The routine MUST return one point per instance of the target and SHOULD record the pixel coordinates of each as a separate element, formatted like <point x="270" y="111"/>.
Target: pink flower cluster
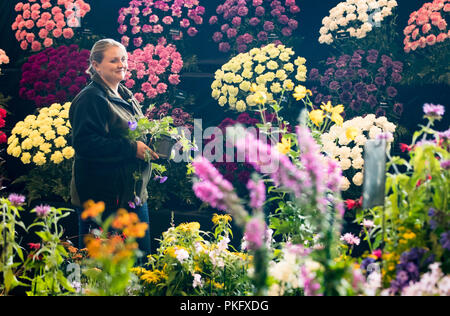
<point x="3" y="138"/>
<point x="427" y="26"/>
<point x="249" y="23"/>
<point x="164" y="18"/>
<point x="37" y="25"/>
<point x="152" y="69"/>
<point x="54" y="75"/>
<point x="4" y="59"/>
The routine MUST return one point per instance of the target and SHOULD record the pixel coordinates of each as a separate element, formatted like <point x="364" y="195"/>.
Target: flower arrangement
<point x="201" y="265"/>
<point x="363" y="82"/>
<point x="37" y="25"/>
<point x="43" y="138"/>
<point x="427" y="26"/>
<point x="153" y="69"/>
<point x="426" y="42"/>
<point x="169" y="20"/>
<point x="271" y="68"/>
<point x="356" y="18"/>
<point x="345" y="143"/>
<point x="54" y="75"/>
<point x="4" y="59"/>
<point x="42" y="141"/>
<point x="248" y="24"/>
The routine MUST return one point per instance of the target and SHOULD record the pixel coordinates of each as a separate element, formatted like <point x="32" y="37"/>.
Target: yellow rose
<point x="59" y="121"/>
<point x="216" y="84"/>
<point x="26" y="158"/>
<point x="238" y="79"/>
<point x="56" y="106"/>
<point x="66" y="105"/>
<point x="60" y="142"/>
<point x="289" y="67"/>
<point x="64" y="114"/>
<point x="261" y="80"/>
<point x="270" y="76"/>
<point x="300" y="61"/>
<point x="57" y="157"/>
<point x="245" y="86"/>
<point x="229" y="77"/>
<point x="233" y="91"/>
<point x="45" y="148"/>
<point x="232" y="101"/>
<point x="284" y="57"/>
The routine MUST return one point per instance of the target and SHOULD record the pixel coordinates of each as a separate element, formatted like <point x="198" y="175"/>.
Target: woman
<point x="105" y="159"/>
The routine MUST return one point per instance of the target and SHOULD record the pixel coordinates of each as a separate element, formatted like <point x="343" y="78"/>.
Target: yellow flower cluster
<point x="42" y="138"/>
<point x="272" y="68"/>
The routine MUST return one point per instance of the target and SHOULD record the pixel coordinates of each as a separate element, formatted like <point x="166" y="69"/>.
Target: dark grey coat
<point x="105" y="159"/>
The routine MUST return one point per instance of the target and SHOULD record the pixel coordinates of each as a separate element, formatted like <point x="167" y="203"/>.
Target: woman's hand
<point x="143" y="149"/>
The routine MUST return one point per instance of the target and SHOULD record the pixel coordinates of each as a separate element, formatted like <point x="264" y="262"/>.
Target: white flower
<point x="358" y="179"/>
<point x="197" y="281"/>
<point x="358" y="163"/>
<point x="181" y="255"/>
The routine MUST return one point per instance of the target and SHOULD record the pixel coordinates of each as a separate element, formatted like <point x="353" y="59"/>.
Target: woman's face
<point x="114" y="65"/>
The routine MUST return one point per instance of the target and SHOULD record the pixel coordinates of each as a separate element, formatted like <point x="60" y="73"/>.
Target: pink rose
<point x="48" y="42"/>
<point x="68" y="33"/>
<point x="36" y="46"/>
<point x="174" y="79"/>
<point x="431" y="39"/>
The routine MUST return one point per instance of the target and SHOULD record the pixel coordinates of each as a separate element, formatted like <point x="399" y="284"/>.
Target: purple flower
<point x="347" y="85"/>
<point x="432" y="110"/>
<point x="257" y="193"/>
<point x="16" y="199"/>
<point x="334" y="85"/>
<point x="42" y="210"/>
<point x="255" y="232"/>
<point x="445" y="164"/>
<point x="363" y="73"/>
<point x="380" y="81"/>
<point x="372" y="100"/>
<point x="314" y="74"/>
<point x="132" y="125"/>
<point x="445" y="240"/>
<point x="371" y="87"/>
<point x="346" y="97"/>
<point x="392" y="92"/>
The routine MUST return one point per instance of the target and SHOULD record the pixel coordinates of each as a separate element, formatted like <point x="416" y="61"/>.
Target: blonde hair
<point x="97" y="53"/>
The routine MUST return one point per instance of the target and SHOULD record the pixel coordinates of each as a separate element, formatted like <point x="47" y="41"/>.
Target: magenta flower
<point x="257" y="194"/>
<point x="432" y="110"/>
<point x="42" y="210"/>
<point x="255" y="233"/>
<point x="16" y="199"/>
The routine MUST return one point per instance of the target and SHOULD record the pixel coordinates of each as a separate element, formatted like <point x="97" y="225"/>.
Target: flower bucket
<point x="163" y="146"/>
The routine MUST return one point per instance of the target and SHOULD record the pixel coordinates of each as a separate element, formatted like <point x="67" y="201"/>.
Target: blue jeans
<point x="85" y="227"/>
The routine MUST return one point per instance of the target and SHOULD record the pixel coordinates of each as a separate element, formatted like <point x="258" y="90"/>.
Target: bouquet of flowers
<point x="271" y="69"/>
<point x="153" y="69"/>
<point x="426" y="42"/>
<point x="169" y="19"/>
<point x="354" y="19"/>
<point x="428" y="26"/>
<point x="43" y="140"/>
<point x="54" y="75"/>
<point x="363" y="82"/>
<point x="253" y="23"/>
<point x="345" y="143"/>
<point x="38" y="25"/>
<point x="4" y="59"/>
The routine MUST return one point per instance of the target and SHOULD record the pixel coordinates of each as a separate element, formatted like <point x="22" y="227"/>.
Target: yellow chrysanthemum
<point x="39" y="158"/>
<point x="26" y="158"/>
<point x="57" y="157"/>
<point x="60" y="142"/>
